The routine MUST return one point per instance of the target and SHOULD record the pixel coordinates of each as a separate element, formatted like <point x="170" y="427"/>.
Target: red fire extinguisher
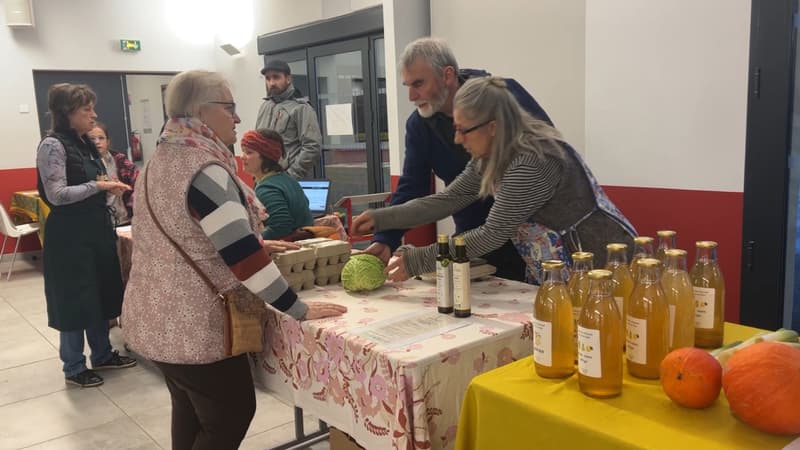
<point x="136" y="147"/>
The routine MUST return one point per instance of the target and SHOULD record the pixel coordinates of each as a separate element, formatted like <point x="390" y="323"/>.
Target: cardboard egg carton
<point x="328" y="251"/>
<point x="330" y="258"/>
<point x="295" y="261"/>
<point x="328" y="274"/>
<point x="300" y="281"/>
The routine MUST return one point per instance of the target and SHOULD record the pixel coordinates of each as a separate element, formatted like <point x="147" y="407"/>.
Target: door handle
<point x="749" y="255"/>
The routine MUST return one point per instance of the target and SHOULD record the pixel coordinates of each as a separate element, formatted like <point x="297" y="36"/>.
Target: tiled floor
<point x="130" y="411"/>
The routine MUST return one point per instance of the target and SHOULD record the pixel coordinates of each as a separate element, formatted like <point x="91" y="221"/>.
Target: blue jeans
<point x="71" y="348"/>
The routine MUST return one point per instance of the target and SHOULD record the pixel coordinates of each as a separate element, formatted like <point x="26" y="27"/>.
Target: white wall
<point x="84" y="35"/>
<point x="147" y="111"/>
<point x="540" y="43"/>
<point x="666" y="92"/>
<point x="80" y="36"/>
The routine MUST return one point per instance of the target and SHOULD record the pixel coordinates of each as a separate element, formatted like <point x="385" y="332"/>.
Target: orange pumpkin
<point x="762" y="383"/>
<point x="691" y="377"/>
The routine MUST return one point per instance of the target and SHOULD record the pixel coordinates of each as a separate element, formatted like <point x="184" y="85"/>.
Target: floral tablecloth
<point x="406" y="397"/>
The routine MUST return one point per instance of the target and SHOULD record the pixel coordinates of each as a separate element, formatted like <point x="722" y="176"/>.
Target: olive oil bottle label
<point x="444" y="283"/>
<point x="543" y="342"/>
<point x="461" y="286"/>
<point x="620" y="302"/>
<point x="704" y="307"/>
<point x="671" y="323"/>
<point x="636" y="340"/>
<point x="589" y="361"/>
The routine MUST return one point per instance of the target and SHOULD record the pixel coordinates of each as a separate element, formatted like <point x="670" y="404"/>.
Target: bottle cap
<point x="706" y="244"/>
<point x="442" y="238"/>
<point x="460" y="240"/>
<point x="552" y="264"/>
<point x="665" y="233"/>
<point x="643" y="240"/>
<point x="616" y="246"/>
<point x="599" y="274"/>
<point x="649" y="262"/>
<point x="675" y="252"/>
<point x="582" y="256"/>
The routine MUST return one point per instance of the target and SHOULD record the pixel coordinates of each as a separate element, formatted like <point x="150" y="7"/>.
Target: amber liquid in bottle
<point x="553" y="325"/>
<point x="709" y="295"/>
<point x="666" y="241"/>
<point x="617" y="263"/>
<point x="642" y="248"/>
<point x="578" y="285"/>
<point x="647" y="323"/>
<point x="680" y="299"/>
<point x="444" y="275"/>
<point x="600" y="340"/>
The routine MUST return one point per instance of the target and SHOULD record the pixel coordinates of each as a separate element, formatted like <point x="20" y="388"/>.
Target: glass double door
<point x="346" y="84"/>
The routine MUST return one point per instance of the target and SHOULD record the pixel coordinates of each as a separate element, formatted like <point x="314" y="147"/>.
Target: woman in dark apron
<point x="82" y="280"/>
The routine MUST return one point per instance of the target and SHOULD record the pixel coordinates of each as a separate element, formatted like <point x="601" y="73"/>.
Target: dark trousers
<point x="212" y="404"/>
<point x="507" y="261"/>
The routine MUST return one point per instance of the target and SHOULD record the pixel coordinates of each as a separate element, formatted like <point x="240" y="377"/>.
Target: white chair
<point x="8" y="229"/>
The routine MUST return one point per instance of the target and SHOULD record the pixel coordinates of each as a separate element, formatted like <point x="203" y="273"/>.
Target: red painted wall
<point x="13" y="180"/>
<point x="696" y="216"/>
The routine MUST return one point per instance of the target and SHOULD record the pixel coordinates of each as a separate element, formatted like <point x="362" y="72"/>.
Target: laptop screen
<point x="317" y="192"/>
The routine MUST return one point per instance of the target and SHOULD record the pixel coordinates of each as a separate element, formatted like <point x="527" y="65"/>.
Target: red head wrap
<point x="266" y="147"/>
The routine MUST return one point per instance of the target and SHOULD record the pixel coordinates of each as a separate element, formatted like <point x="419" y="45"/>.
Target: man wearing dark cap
<point x="287" y="112"/>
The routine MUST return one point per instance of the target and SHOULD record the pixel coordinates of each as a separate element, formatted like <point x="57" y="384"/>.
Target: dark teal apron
<point x="83" y="284"/>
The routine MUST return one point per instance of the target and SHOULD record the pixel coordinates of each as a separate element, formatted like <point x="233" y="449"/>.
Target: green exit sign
<point x="128" y="45"/>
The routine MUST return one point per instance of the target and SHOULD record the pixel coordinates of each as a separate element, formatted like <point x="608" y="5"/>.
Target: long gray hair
<point x="488" y="98"/>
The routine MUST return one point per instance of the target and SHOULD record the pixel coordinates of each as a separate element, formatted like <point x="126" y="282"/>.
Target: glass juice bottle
<point x="642" y="248"/>
<point x="647" y="322"/>
<point x="680" y="299"/>
<point x="666" y="240"/>
<point x="444" y="275"/>
<point x="600" y="339"/>
<point x="578" y="285"/>
<point x="709" y="296"/>
<point x="553" y="325"/>
<point x="617" y="263"/>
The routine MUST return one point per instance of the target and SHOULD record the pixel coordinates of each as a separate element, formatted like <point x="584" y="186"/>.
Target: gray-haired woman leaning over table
<point x="170" y="315"/>
<point x="546" y="199"/>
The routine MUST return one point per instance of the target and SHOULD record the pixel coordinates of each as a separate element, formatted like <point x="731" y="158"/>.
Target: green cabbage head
<point x="363" y="272"/>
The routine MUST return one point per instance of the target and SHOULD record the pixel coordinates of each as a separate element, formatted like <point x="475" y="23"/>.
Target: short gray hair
<point x="190" y="90"/>
<point x="434" y="51"/>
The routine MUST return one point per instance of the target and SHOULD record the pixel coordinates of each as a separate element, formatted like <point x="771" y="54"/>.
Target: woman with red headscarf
<point x="282" y="196"/>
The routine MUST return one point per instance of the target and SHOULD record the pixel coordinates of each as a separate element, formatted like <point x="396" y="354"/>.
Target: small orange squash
<point x="762" y="383"/>
<point x="691" y="377"/>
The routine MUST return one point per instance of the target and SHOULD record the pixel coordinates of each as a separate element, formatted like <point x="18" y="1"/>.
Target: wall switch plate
<point x="24" y="108"/>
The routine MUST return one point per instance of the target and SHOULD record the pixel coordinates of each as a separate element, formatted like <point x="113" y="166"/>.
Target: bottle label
<point x="620" y="303"/>
<point x="671" y="324"/>
<point x="704" y="307"/>
<point x="636" y="340"/>
<point x="444" y="284"/>
<point x="543" y="342"/>
<point x="589" y="361"/>
<point x="461" y="287"/>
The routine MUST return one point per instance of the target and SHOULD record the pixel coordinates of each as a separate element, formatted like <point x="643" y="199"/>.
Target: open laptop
<point x="318" y="194"/>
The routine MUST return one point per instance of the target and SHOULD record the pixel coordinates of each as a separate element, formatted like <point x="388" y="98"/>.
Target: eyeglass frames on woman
<point x="466" y="131"/>
<point x="229" y="106"/>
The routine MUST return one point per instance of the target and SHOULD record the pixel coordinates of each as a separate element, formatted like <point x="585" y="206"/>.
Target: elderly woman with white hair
<point x="546" y="200"/>
<point x="206" y="213"/>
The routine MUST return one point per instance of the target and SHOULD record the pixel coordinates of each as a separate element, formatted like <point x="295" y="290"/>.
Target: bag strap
<point x="172" y="241"/>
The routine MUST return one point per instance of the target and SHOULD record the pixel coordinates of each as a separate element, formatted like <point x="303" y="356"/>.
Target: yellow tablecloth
<point x="513" y="408"/>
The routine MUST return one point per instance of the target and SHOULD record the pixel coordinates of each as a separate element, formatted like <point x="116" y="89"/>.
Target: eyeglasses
<point x="466" y="131"/>
<point x="229" y="106"/>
